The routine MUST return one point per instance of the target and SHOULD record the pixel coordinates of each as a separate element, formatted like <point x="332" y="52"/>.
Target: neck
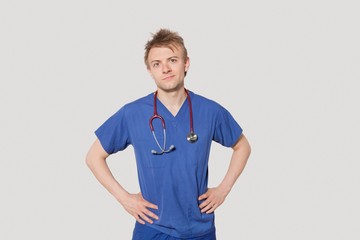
<point x="172" y="100"/>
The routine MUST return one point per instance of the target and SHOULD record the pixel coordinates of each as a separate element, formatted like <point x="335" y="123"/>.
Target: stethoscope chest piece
<point x="192" y="137"/>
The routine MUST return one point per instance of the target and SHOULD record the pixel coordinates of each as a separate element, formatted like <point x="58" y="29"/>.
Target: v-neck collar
<point x="168" y="113"/>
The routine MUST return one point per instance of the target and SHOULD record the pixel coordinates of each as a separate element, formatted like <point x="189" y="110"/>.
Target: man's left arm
<point x="214" y="197"/>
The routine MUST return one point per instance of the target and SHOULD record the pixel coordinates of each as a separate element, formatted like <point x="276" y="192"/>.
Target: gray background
<point x="287" y="70"/>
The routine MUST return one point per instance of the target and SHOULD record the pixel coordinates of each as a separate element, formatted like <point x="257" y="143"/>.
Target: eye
<point x="155" y="65"/>
<point x="173" y="60"/>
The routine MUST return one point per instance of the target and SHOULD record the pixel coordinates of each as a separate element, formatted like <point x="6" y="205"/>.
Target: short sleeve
<point x="227" y="130"/>
<point x="113" y="134"/>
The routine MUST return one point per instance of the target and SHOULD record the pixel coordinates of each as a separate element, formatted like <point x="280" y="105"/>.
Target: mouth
<point x="168" y="77"/>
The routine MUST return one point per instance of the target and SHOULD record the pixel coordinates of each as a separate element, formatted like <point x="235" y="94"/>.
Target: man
<point x="171" y="131"/>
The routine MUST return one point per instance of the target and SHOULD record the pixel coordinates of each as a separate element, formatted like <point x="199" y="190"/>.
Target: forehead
<point x="157" y="53"/>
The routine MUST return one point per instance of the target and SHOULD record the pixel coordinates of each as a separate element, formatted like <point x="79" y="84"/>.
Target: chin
<point x="171" y="88"/>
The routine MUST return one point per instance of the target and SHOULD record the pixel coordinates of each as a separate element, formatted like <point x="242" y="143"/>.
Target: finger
<point x="151" y="214"/>
<point x="138" y="219"/>
<point x="204" y="204"/>
<point x="208" y="200"/>
<point x="144" y="217"/>
<point x="212" y="209"/>
<point x="203" y="196"/>
<point x="150" y="205"/>
<point x="147" y="203"/>
<point x="206" y="208"/>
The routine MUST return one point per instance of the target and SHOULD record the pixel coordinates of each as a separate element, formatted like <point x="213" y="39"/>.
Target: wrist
<point x="121" y="195"/>
<point x="225" y="188"/>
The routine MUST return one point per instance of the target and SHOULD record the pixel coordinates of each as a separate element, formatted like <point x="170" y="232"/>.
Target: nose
<point x="166" y="68"/>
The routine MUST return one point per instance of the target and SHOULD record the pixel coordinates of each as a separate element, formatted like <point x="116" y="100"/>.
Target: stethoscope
<point x="191" y="137"/>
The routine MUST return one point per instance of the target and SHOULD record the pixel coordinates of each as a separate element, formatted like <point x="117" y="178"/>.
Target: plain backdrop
<point x="288" y="71"/>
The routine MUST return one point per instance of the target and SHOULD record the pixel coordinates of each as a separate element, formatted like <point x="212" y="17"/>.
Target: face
<point x="167" y="67"/>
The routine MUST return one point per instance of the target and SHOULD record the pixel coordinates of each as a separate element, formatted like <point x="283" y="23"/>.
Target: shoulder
<point x="204" y="102"/>
<point x="137" y="104"/>
<point x="133" y="107"/>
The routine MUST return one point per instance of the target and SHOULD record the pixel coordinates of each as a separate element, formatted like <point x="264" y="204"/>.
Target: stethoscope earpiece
<point x="171" y="148"/>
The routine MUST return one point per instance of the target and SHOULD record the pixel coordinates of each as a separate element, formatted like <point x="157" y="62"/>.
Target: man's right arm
<point x="134" y="204"/>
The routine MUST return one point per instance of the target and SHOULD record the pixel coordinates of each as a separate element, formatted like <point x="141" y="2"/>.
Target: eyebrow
<point x="166" y="59"/>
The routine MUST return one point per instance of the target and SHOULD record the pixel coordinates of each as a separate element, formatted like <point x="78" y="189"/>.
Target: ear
<point x="187" y="64"/>
<point x="148" y="69"/>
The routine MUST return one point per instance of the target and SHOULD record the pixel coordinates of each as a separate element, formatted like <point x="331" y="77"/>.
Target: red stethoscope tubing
<point x="191" y="137"/>
<point x="156" y="115"/>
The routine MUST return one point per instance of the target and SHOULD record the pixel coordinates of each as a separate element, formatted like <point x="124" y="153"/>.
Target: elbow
<point x="248" y="147"/>
<point x="88" y="161"/>
<point x="249" y="151"/>
<point x="92" y="160"/>
<point x="95" y="155"/>
<point x="244" y="145"/>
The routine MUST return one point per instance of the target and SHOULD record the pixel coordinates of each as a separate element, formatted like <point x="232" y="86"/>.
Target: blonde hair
<point x="165" y="38"/>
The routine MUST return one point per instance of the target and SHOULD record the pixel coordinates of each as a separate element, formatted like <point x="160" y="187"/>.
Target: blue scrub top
<point x="173" y="181"/>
